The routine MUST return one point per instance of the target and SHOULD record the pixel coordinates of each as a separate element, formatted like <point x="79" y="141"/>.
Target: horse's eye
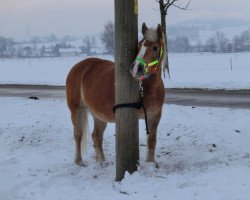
<point x="155" y="48"/>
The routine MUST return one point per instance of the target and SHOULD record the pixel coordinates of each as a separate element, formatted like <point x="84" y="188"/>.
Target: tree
<point x="241" y="42"/>
<point x="43" y="50"/>
<point x="6" y="47"/>
<point x="211" y="45"/>
<point x="222" y="41"/>
<point x="28" y="51"/>
<point x="3" y="46"/>
<point x="36" y="39"/>
<point x="86" y="45"/>
<point x="164" y="6"/>
<point x="229" y="47"/>
<point x="56" y="48"/>
<point x="245" y="36"/>
<point x="181" y="44"/>
<point x="68" y="38"/>
<point x="108" y="37"/>
<point x="245" y="40"/>
<point x="171" y="45"/>
<point x="93" y="41"/>
<point x="51" y="38"/>
<point x="34" y="42"/>
<point x="199" y="46"/>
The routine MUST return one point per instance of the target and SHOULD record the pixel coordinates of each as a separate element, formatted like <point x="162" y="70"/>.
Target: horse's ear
<point x="144" y="29"/>
<point x="159" y="31"/>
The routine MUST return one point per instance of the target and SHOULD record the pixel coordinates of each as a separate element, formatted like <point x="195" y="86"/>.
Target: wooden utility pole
<point x="126" y="87"/>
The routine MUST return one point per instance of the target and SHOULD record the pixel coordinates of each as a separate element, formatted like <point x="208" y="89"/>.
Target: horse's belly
<point x="100" y="104"/>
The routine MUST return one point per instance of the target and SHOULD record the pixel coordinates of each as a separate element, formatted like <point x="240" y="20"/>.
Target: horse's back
<point x="91" y="82"/>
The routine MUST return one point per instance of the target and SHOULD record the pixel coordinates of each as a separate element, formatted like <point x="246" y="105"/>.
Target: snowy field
<point x="212" y="71"/>
<point x="203" y="153"/>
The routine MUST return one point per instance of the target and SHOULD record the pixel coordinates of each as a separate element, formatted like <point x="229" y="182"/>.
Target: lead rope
<point x="138" y="105"/>
<point x="144" y="109"/>
<point x="141" y="90"/>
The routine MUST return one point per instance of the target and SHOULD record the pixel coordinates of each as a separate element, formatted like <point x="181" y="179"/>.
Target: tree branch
<point x="182" y="8"/>
<point x="170" y="3"/>
<point x="161" y="2"/>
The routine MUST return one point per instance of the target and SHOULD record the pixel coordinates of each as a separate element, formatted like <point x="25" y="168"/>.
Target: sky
<point x="25" y="18"/>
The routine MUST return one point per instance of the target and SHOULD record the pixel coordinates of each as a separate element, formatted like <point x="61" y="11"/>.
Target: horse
<point x="90" y="87"/>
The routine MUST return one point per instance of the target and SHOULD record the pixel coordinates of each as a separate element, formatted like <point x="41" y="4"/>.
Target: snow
<point x="43" y="71"/>
<point x="202" y="153"/>
<point x="211" y="71"/>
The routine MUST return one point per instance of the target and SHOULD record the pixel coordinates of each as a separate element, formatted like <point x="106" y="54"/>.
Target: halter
<point x="149" y="65"/>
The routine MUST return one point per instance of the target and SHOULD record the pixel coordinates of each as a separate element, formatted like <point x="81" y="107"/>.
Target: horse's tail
<point x="84" y="126"/>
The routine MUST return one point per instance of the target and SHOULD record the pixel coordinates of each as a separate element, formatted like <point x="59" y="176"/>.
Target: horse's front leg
<point x="153" y="121"/>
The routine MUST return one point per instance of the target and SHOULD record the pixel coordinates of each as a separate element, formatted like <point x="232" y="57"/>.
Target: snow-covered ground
<point x="44" y="71"/>
<point x="211" y="71"/>
<point x="203" y="153"/>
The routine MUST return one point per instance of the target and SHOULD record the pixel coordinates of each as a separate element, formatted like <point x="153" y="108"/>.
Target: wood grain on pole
<point x="126" y="87"/>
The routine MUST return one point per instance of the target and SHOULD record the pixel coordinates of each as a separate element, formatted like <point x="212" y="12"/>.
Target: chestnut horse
<point x="90" y="87"/>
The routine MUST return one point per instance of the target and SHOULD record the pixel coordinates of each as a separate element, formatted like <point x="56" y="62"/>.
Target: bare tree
<point x="87" y="44"/>
<point x="164" y="6"/>
<point x="222" y="41"/>
<point x="211" y="45"/>
<point x="93" y="41"/>
<point x="241" y="42"/>
<point x="108" y="37"/>
<point x="6" y="47"/>
<point x="181" y="44"/>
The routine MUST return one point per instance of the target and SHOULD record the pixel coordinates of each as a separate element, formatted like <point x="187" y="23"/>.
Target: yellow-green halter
<point x="149" y="65"/>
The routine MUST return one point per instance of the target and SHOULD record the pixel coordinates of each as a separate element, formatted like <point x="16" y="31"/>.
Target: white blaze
<point x="140" y="55"/>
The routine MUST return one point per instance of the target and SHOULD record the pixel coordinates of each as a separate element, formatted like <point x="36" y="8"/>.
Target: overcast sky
<point x="81" y="17"/>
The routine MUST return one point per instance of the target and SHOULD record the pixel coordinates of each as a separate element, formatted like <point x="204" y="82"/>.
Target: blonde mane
<point x="152" y="36"/>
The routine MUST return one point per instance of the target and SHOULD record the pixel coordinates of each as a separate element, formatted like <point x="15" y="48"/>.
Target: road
<point x="185" y="97"/>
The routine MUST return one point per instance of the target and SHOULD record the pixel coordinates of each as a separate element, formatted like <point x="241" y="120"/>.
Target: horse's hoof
<point x="157" y="166"/>
<point x="100" y="159"/>
<point x="99" y="155"/>
<point x="80" y="163"/>
<point x="150" y="160"/>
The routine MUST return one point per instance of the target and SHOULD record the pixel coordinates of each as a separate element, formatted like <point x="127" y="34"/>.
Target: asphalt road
<point x="185" y="97"/>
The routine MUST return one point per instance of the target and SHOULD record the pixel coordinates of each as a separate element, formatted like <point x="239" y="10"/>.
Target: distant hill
<point x="211" y="24"/>
<point x="202" y="29"/>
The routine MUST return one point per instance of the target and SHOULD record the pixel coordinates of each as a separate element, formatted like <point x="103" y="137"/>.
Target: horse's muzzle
<point x="137" y="70"/>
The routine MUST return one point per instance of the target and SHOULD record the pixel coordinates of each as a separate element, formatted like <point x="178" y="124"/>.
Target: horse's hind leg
<point x="97" y="137"/>
<point x="79" y="120"/>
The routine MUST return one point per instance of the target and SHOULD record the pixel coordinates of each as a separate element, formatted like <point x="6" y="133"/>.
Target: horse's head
<point x="150" y="53"/>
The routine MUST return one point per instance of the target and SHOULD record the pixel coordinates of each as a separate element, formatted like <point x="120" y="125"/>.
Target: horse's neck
<point x="153" y="81"/>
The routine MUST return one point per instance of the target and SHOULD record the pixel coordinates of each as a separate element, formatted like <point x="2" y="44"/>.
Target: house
<point x="47" y="51"/>
<point x="69" y="52"/>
